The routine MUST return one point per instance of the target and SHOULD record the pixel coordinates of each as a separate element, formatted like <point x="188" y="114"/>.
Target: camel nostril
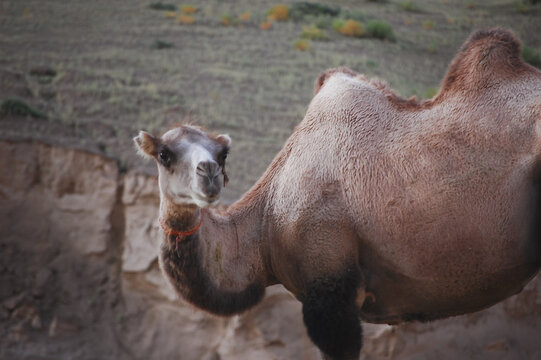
<point x="210" y="169"/>
<point x="201" y="171"/>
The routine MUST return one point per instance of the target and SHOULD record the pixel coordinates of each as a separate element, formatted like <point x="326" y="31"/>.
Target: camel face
<point x="191" y="164"/>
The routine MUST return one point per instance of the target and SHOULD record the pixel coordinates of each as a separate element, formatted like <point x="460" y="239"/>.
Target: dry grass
<point x="188" y="9"/>
<point x="245" y="17"/>
<point x="170" y="14"/>
<point x="349" y="28"/>
<point x="265" y="25"/>
<point x="302" y="45"/>
<point x="428" y="24"/>
<point x="470" y="5"/>
<point x="226" y="20"/>
<point x="186" y="20"/>
<point x="278" y="12"/>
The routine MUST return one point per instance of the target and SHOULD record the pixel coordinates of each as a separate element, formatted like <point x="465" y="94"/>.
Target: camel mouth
<point x="205" y="201"/>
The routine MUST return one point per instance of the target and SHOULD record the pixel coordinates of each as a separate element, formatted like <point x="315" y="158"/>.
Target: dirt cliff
<point x="79" y="278"/>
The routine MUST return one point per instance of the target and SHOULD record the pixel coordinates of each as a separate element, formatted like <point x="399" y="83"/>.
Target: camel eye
<point x="165" y="157"/>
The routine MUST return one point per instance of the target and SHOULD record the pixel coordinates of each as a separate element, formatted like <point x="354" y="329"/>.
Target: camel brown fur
<point x="377" y="208"/>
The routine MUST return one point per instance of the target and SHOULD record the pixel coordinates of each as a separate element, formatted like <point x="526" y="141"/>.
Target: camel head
<point x="191" y="164"/>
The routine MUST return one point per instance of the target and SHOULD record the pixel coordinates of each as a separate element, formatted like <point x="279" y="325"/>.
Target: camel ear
<point x="226" y="178"/>
<point x="224" y="139"/>
<point x="146" y="145"/>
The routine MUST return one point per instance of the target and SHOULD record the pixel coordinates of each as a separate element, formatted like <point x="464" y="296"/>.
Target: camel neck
<point x="179" y="217"/>
<point x="179" y="226"/>
<point x="219" y="267"/>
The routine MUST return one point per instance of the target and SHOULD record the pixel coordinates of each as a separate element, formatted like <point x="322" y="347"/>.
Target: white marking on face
<point x="199" y="154"/>
<point x="175" y="186"/>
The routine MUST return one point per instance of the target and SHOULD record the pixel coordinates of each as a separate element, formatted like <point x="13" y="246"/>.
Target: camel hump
<point x="497" y="36"/>
<point x="322" y="78"/>
<point x="486" y="54"/>
<point x="493" y="47"/>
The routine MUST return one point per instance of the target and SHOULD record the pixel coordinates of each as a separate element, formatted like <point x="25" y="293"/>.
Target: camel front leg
<point x="331" y="315"/>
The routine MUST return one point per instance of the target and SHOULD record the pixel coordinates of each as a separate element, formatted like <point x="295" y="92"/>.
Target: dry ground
<point x="110" y="80"/>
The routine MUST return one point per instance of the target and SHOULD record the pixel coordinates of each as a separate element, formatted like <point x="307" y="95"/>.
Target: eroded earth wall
<point x="79" y="278"/>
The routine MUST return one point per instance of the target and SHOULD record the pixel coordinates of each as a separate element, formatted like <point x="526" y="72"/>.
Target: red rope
<point x="170" y="231"/>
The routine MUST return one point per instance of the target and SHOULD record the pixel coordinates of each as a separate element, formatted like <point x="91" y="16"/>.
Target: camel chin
<point x="205" y="202"/>
<point x="194" y="199"/>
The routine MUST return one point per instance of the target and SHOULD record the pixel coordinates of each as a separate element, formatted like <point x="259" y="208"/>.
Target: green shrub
<point x="408" y="5"/>
<point x="20" y="108"/>
<point x="162" y="6"/>
<point x="323" y="22"/>
<point x="42" y="71"/>
<point x="312" y="32"/>
<point x="380" y="30"/>
<point x="522" y="7"/>
<point x="303" y="9"/>
<point x="531" y="56"/>
<point x="337" y="24"/>
<point x="347" y="14"/>
<point x="43" y="74"/>
<point x="160" y="44"/>
<point x="371" y="63"/>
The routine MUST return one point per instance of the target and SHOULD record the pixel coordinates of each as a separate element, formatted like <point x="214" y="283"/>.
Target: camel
<point x="377" y="209"/>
